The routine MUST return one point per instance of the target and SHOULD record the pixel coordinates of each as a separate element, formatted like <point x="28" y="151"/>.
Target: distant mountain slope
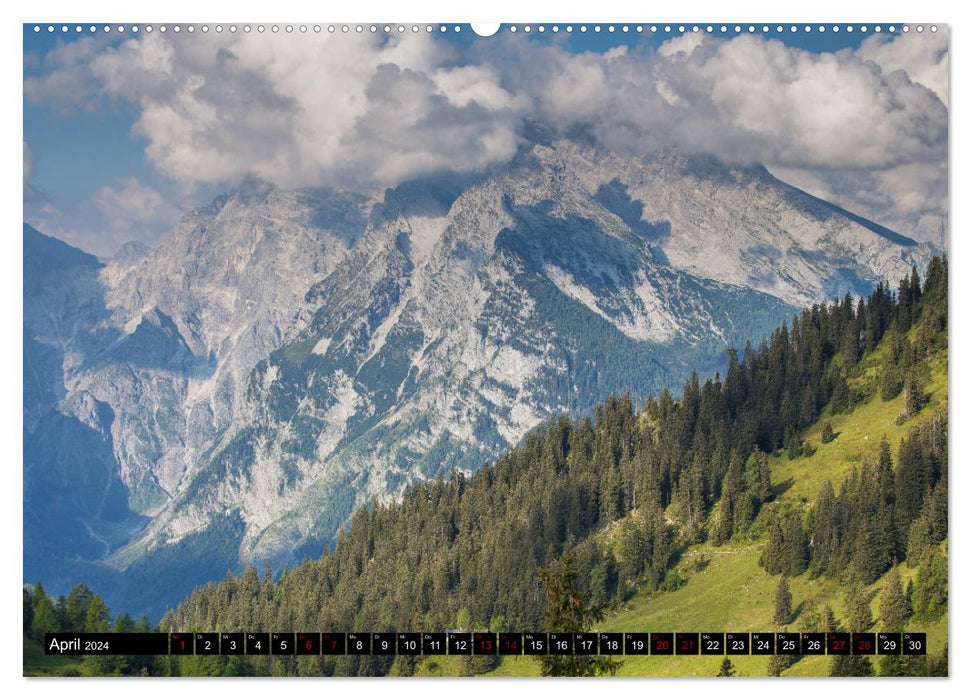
<point x="741" y="225"/>
<point x="75" y="502"/>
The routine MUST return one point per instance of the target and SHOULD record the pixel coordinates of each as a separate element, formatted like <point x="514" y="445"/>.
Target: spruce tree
<point x="858" y="614"/>
<point x="783" y="603"/>
<point x="796" y="547"/>
<point x="45" y="619"/>
<point x="914" y="396"/>
<point x="97" y="617"/>
<point x="634" y="550"/>
<point x="850" y="666"/>
<point x="937" y="664"/>
<point x="824" y="530"/>
<point x="777" y="664"/>
<point x="727" y="669"/>
<point x="720" y="529"/>
<point x="930" y="527"/>
<point x="885" y="477"/>
<point x="840" y="401"/>
<point x="28" y="620"/>
<point x="828" y="434"/>
<point x="850" y="342"/>
<point x="772" y="558"/>
<point x="873" y="548"/>
<point x="603" y="580"/>
<point x="911" y="481"/>
<point x="76" y="608"/>
<point x="765" y="476"/>
<point x="829" y="623"/>
<point x="566" y="612"/>
<point x="891" y="666"/>
<point x="894" y="607"/>
<point x="930" y="591"/>
<point x="890" y="384"/>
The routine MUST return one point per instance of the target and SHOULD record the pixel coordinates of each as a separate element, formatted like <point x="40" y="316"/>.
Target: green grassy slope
<point x="726" y="590"/>
<point x="858" y="433"/>
<point x="37" y="663"/>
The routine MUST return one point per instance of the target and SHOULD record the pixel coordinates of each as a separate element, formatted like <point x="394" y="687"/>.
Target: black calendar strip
<point x="487" y="643"/>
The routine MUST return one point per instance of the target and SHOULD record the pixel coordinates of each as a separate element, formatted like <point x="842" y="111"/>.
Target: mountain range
<point x="231" y="395"/>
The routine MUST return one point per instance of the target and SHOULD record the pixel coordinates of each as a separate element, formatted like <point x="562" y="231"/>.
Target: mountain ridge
<point x="316" y="349"/>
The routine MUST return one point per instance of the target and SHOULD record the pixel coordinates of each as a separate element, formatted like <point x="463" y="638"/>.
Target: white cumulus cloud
<point x="867" y="127"/>
<point x="131" y="205"/>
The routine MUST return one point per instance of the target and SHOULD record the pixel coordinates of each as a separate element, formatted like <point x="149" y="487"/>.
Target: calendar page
<point x="604" y="349"/>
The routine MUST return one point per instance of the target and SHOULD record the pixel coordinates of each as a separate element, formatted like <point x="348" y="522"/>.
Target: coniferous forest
<point x="622" y="495"/>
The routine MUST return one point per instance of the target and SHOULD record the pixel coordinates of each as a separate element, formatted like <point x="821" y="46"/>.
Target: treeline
<point x="894" y="613"/>
<point x="883" y="513"/>
<point x="874" y="519"/>
<point x="889" y="509"/>
<point x="465" y="552"/>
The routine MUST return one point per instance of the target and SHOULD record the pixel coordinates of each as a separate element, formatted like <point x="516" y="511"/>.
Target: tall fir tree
<point x="796" y="547"/>
<point x="44" y="618"/>
<point x="894" y="606"/>
<point x="772" y="558"/>
<point x="778" y="663"/>
<point x="841" y="397"/>
<point x="847" y="666"/>
<point x="783" y="603"/>
<point x="567" y="612"/>
<point x="859" y="617"/>
<point x="914" y="396"/>
<point x="930" y="592"/>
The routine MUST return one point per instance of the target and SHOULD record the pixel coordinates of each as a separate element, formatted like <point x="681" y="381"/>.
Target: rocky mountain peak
<point x="283" y="356"/>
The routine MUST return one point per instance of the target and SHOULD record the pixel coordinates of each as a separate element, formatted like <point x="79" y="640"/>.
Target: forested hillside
<point x="632" y="491"/>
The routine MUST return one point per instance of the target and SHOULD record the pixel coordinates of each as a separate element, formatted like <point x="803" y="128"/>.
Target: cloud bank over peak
<point x="866" y="127"/>
<point x="295" y="110"/>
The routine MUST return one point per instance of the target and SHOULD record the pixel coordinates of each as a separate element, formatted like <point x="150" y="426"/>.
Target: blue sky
<point x="77" y="150"/>
<point x="100" y="170"/>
